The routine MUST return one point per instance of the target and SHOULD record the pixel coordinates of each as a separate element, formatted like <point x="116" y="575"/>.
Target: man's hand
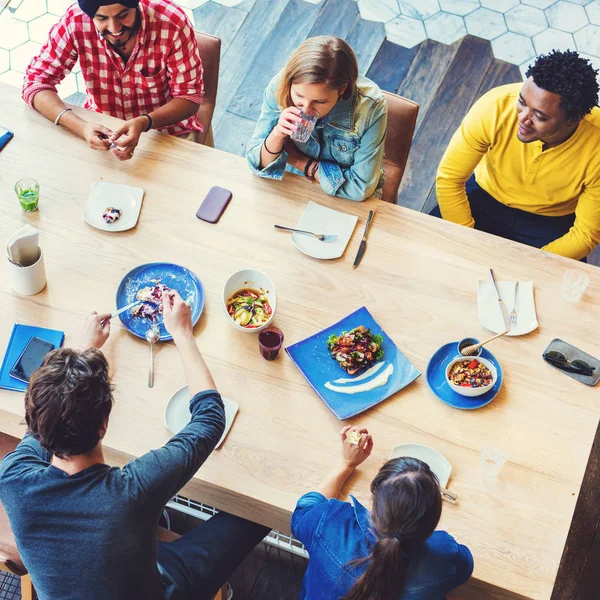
<point x="177" y="316"/>
<point x="127" y="137"/>
<point x="97" y="136"/>
<point x="355" y="454"/>
<point x="94" y="334"/>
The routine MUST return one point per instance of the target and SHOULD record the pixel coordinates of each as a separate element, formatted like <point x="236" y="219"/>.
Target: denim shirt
<point x="336" y="533"/>
<point x="348" y="142"/>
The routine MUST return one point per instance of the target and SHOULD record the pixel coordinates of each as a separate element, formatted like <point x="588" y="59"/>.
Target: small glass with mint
<point x="28" y="192"/>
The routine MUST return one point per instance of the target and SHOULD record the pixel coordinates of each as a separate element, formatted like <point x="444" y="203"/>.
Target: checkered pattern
<point x="165" y="64"/>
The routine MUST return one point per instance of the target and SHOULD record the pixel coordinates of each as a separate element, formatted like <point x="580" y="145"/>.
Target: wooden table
<point x="418" y="278"/>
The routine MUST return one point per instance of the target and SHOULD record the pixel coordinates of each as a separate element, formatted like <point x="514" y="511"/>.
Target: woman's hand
<point x="354" y="454"/>
<point x="287" y="124"/>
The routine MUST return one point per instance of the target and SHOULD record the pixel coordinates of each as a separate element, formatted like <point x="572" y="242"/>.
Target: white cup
<point x="30" y="280"/>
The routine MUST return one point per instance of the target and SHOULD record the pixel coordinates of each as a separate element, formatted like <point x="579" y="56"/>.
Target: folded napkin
<point x="23" y="246"/>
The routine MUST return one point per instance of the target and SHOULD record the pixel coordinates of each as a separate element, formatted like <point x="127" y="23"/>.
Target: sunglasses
<point x="560" y="361"/>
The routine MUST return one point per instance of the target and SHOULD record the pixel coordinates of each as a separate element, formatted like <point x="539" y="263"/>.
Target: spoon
<point x="471" y="350"/>
<point x="152" y="336"/>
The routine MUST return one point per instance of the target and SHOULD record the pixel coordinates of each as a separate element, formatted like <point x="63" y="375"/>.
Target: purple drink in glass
<point x="270" y="341"/>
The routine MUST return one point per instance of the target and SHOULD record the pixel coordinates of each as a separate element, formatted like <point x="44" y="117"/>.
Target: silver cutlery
<point x="121" y="310"/>
<point x="323" y="237"/>
<point x="501" y="304"/>
<point x="152" y="336"/>
<point x="448" y="495"/>
<point x="512" y="317"/>
<point x="363" y="244"/>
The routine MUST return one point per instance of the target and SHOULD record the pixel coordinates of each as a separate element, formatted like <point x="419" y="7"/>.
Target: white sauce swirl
<point x="378" y="381"/>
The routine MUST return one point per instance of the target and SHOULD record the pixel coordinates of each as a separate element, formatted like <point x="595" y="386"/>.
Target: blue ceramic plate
<point x="314" y="360"/>
<point x="178" y="278"/>
<point x="438" y="384"/>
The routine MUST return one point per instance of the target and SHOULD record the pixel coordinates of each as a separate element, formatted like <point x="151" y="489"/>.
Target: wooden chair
<point x="210" y="53"/>
<point x="402" y="117"/>
<point x="10" y="560"/>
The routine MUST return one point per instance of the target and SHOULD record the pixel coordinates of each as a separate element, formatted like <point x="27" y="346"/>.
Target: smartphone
<point x="31" y="358"/>
<point x="214" y="205"/>
<point x="5" y="136"/>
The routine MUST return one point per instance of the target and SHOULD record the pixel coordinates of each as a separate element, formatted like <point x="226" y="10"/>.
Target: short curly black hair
<point x="571" y="77"/>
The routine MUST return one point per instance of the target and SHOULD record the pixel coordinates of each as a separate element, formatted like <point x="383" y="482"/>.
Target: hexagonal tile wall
<point x="518" y="29"/>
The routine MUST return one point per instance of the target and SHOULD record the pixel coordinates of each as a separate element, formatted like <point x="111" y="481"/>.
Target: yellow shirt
<point x="556" y="182"/>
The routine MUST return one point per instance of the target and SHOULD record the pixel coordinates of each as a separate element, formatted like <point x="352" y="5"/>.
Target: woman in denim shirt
<point x="392" y="553"/>
<point x="344" y="153"/>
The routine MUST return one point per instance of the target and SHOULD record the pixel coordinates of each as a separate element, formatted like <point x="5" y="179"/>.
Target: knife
<point x="363" y="244"/>
<point x="500" y="302"/>
<point x="121" y="310"/>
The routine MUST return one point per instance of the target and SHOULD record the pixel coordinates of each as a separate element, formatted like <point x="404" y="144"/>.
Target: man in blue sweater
<point x="87" y="530"/>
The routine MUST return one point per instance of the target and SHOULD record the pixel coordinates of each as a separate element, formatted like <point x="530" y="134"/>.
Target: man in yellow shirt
<point x="525" y="163"/>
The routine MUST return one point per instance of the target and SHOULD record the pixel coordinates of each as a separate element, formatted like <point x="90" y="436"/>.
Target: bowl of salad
<point x="249" y="300"/>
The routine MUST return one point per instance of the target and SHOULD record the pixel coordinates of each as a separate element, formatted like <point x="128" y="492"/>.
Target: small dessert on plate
<point x="111" y="214"/>
<point x="152" y="305"/>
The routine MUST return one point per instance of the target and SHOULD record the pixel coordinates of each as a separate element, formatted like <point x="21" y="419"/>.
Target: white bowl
<point x="249" y="278"/>
<point x="467" y="391"/>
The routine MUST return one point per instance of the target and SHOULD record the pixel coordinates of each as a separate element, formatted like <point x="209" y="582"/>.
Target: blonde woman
<point x="344" y="152"/>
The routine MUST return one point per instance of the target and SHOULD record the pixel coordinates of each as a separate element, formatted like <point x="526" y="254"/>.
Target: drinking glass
<point x="270" y="340"/>
<point x="574" y="283"/>
<point x="493" y="458"/>
<point x="28" y="192"/>
<point x="305" y="127"/>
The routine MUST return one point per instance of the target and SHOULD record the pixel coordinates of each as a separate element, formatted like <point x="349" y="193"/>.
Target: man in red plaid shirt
<point x="140" y="62"/>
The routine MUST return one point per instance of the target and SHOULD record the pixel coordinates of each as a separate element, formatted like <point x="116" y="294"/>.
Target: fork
<point x="320" y="236"/>
<point x="512" y="317"/>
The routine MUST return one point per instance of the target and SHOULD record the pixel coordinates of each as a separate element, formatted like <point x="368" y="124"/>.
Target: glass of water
<point x="574" y="283"/>
<point x="493" y="458"/>
<point x="305" y="127"/>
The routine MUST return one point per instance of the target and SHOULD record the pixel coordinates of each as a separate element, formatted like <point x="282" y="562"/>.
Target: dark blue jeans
<point x="498" y="219"/>
<point x="202" y="560"/>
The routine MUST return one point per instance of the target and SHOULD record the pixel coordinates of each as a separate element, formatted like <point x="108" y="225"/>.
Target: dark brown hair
<point x="68" y="401"/>
<point x="407" y="506"/>
<point x="321" y="59"/>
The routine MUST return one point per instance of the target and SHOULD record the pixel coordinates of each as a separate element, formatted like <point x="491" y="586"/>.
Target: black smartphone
<point x="5" y="136"/>
<point x="214" y="205"/>
<point x="31" y="358"/>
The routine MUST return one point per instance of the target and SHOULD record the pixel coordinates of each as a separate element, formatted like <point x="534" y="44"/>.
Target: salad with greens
<point x="355" y="349"/>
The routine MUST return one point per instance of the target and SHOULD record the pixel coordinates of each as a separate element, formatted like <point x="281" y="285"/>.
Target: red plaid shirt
<point x="164" y="64"/>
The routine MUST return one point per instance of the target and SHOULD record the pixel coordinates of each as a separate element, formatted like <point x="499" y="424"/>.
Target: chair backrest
<point x="9" y="555"/>
<point x="402" y="117"/>
<point x="210" y="53"/>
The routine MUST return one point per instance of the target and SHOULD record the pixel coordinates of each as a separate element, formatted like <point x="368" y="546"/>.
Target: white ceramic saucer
<point x="177" y="412"/>
<point x="126" y="198"/>
<point x="437" y="462"/>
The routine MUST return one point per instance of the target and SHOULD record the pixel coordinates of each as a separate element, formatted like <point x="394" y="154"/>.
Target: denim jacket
<point x="336" y="532"/>
<point x="348" y="142"/>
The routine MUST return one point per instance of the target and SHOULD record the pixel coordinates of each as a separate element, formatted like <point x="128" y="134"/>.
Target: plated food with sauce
<point x="249" y="308"/>
<point x="152" y="304"/>
<point x="355" y="349"/>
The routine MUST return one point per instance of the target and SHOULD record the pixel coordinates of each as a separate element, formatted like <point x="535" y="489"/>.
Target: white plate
<point x="490" y="315"/>
<point x="126" y="198"/>
<point x="320" y="219"/>
<point x="177" y="412"/>
<point x="437" y="462"/>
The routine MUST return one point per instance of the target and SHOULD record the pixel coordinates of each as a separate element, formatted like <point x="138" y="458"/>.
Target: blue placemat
<point x="20" y="336"/>
<point x="314" y="360"/>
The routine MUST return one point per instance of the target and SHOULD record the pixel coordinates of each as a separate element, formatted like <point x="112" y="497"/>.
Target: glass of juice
<point x="28" y="192"/>
<point x="270" y="341"/>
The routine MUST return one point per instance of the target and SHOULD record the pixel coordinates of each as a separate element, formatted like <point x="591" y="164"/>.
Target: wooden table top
<point x="419" y="280"/>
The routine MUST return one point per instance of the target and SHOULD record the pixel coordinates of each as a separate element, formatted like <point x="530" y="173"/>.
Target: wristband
<point x="273" y="153"/>
<point x="150" y="121"/>
<point x="307" y="167"/>
<point x="57" y="120"/>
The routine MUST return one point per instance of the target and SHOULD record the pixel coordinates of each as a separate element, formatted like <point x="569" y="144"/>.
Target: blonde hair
<point x="322" y="59"/>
